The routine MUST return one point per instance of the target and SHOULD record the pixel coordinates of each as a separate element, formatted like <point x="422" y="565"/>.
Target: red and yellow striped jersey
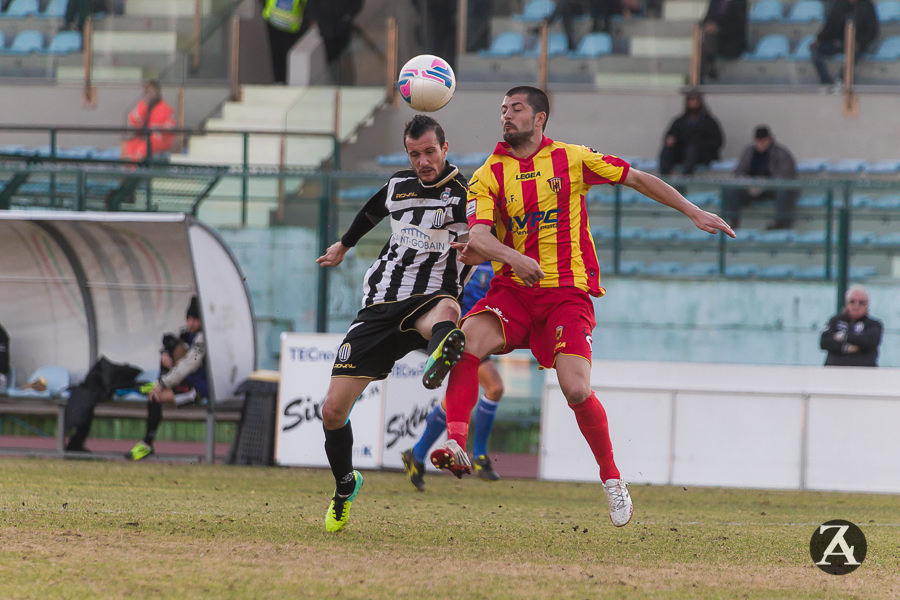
<point x="537" y="206"/>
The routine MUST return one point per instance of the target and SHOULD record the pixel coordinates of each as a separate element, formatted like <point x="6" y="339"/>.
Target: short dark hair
<point x="419" y="125"/>
<point x="537" y="99"/>
<point x="154" y="83"/>
<point x="762" y="132"/>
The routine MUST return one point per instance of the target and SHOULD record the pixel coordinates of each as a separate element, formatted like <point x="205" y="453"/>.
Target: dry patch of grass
<point x="72" y="529"/>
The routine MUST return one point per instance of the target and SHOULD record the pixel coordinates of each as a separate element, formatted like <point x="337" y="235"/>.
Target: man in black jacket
<point x="830" y="40"/>
<point x="694" y="137"/>
<point x="852" y="337"/>
<point x="724" y="35"/>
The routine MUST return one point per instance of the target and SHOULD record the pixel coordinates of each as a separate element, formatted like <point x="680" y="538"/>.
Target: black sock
<point x="154" y="418"/>
<point x="339" y="449"/>
<point x="438" y="333"/>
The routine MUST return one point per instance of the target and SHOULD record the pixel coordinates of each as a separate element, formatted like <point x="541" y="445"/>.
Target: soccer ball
<point x="426" y="82"/>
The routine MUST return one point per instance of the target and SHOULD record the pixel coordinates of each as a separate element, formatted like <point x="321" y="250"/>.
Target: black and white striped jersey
<point x="417" y="259"/>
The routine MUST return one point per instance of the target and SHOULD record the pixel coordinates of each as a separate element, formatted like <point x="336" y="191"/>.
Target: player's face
<point x="427" y="157"/>
<point x="857" y="305"/>
<point x="517" y="119"/>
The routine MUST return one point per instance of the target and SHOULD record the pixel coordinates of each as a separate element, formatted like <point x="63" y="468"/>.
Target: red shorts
<point x="549" y="321"/>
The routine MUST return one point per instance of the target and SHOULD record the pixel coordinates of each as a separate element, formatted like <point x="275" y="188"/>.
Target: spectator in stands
<point x="694" y="137"/>
<point x="335" y="21"/>
<point x="438" y="28"/>
<point x="852" y="337"/>
<point x="151" y="114"/>
<point x="764" y="158"/>
<point x="830" y="39"/>
<point x="286" y="21"/>
<point x="601" y="12"/>
<point x="182" y="379"/>
<point x="478" y="25"/>
<point x="724" y="35"/>
<point x="77" y="12"/>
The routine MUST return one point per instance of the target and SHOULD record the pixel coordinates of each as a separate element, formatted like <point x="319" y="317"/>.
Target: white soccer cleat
<point x="451" y="457"/>
<point x="619" y="500"/>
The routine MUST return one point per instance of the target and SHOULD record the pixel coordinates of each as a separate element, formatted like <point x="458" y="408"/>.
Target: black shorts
<point x="382" y="334"/>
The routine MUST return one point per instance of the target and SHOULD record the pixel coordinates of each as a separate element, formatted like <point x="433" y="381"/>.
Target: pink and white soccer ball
<point x="426" y="82"/>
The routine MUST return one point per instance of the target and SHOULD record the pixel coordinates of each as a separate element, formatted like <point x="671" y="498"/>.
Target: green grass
<point x="89" y="529"/>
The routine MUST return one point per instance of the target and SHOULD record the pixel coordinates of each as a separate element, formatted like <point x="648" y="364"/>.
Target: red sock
<point x="462" y="395"/>
<point x="593" y="425"/>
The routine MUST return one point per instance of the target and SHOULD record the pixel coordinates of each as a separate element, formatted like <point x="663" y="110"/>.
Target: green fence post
<point x="245" y="179"/>
<point x="843" y="246"/>
<point x="53" y="160"/>
<point x="324" y="241"/>
<point x="617" y="229"/>
<point x="722" y="247"/>
<point x="829" y="231"/>
<point x="81" y="193"/>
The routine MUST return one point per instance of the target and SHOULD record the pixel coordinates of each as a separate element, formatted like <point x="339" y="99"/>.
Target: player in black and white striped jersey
<point x="410" y="293"/>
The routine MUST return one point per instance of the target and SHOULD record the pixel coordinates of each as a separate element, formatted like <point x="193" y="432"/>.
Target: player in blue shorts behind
<point x="486" y="409"/>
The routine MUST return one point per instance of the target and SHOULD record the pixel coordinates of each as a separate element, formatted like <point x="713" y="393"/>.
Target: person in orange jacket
<point x="151" y="112"/>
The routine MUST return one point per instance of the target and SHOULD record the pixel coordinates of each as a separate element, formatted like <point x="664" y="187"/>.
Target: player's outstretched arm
<point x="657" y="189"/>
<point x="333" y="256"/>
<point x="483" y="242"/>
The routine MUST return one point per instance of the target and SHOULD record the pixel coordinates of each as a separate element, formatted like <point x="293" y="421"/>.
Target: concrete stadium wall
<point x="631" y="123"/>
<point x="823" y="428"/>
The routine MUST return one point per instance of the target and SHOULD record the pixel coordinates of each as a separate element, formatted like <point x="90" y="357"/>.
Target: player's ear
<point x="445" y="147"/>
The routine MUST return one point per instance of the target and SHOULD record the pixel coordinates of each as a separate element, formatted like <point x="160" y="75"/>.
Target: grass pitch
<point x="85" y="529"/>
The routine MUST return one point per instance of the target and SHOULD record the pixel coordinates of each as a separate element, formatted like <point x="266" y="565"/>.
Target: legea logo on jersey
<point x="417" y="238"/>
<point x="533" y="220"/>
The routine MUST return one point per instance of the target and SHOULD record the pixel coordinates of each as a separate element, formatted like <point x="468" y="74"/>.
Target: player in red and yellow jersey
<point x="531" y="192"/>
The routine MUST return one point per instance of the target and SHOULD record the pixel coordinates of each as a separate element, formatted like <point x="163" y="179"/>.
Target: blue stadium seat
<point x="766" y="11"/>
<point x="16" y="150"/>
<point x="846" y="166"/>
<point x="778" y="271"/>
<point x="595" y="44"/>
<point x="557" y="43"/>
<point x="27" y="42"/>
<point x="601" y="233"/>
<point x="741" y="270"/>
<point x="813" y="272"/>
<point x="891" y="202"/>
<point x="723" y="166"/>
<point x="395" y="159"/>
<point x="888" y="239"/>
<point x="645" y="164"/>
<point x="535" y="11"/>
<point x="2" y="42"/>
<point x="810" y="237"/>
<point x="862" y="238"/>
<point x="807" y="11"/>
<point x="360" y="192"/>
<point x="21" y="8"/>
<point x="746" y="235"/>
<point x="600" y="195"/>
<point x="663" y="268"/>
<point x="707" y="198"/>
<point x="508" y="43"/>
<point x="56" y="9"/>
<point x="112" y="153"/>
<point x="472" y="159"/>
<point x="770" y="47"/>
<point x="860" y="273"/>
<point x="777" y="236"/>
<point x="65" y="42"/>
<point x="631" y="267"/>
<point x="701" y="269"/>
<point x="801" y="50"/>
<point x="812" y="201"/>
<point x="888" y="50"/>
<point x="632" y="233"/>
<point x="812" y="165"/>
<point x="880" y="167"/>
<point x="696" y="235"/>
<point x="663" y="233"/>
<point x="888" y="11"/>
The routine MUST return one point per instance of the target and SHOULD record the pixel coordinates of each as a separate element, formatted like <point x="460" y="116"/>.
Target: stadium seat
<point x="535" y="11"/>
<point x="65" y="42"/>
<point x="56" y="9"/>
<point x="631" y="267"/>
<point x="811" y="165"/>
<point x="778" y="271"/>
<point x="807" y="11"/>
<point x="770" y="47"/>
<point x="663" y="234"/>
<point x="767" y="11"/>
<point x="862" y="238"/>
<point x="846" y="166"/>
<point x="777" y="236"/>
<point x="645" y="164"/>
<point x="595" y="44"/>
<point x="701" y="269"/>
<point x="891" y="202"/>
<point x="888" y="50"/>
<point x="557" y="44"/>
<point x="801" y="50"/>
<point x="888" y="11"/>
<point x="663" y="268"/>
<point x="600" y="195"/>
<point x="472" y="159"/>
<point x="112" y="153"/>
<point x="56" y="379"/>
<point x="812" y="201"/>
<point x="813" y="272"/>
<point x="888" y="239"/>
<point x="723" y="166"/>
<point x="360" y="192"/>
<point x="21" y="8"/>
<point x="601" y="233"/>
<point x="881" y="167"/>
<point x="508" y="43"/>
<point x="396" y="159"/>
<point x="741" y="270"/>
<point x="632" y="233"/>
<point x="810" y="237"/>
<point x="27" y="42"/>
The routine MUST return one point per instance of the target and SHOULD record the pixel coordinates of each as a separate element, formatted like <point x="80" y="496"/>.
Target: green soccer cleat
<point x="140" y="450"/>
<point x="339" y="510"/>
<point x="415" y="471"/>
<point x="447" y="354"/>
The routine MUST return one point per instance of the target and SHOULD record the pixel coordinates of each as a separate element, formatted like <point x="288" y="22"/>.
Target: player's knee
<point x="333" y="417"/>
<point x="576" y="393"/>
<point x="494" y="390"/>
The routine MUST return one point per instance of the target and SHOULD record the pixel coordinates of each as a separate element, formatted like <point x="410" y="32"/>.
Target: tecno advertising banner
<point x="407" y="405"/>
<point x="306" y="361"/>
